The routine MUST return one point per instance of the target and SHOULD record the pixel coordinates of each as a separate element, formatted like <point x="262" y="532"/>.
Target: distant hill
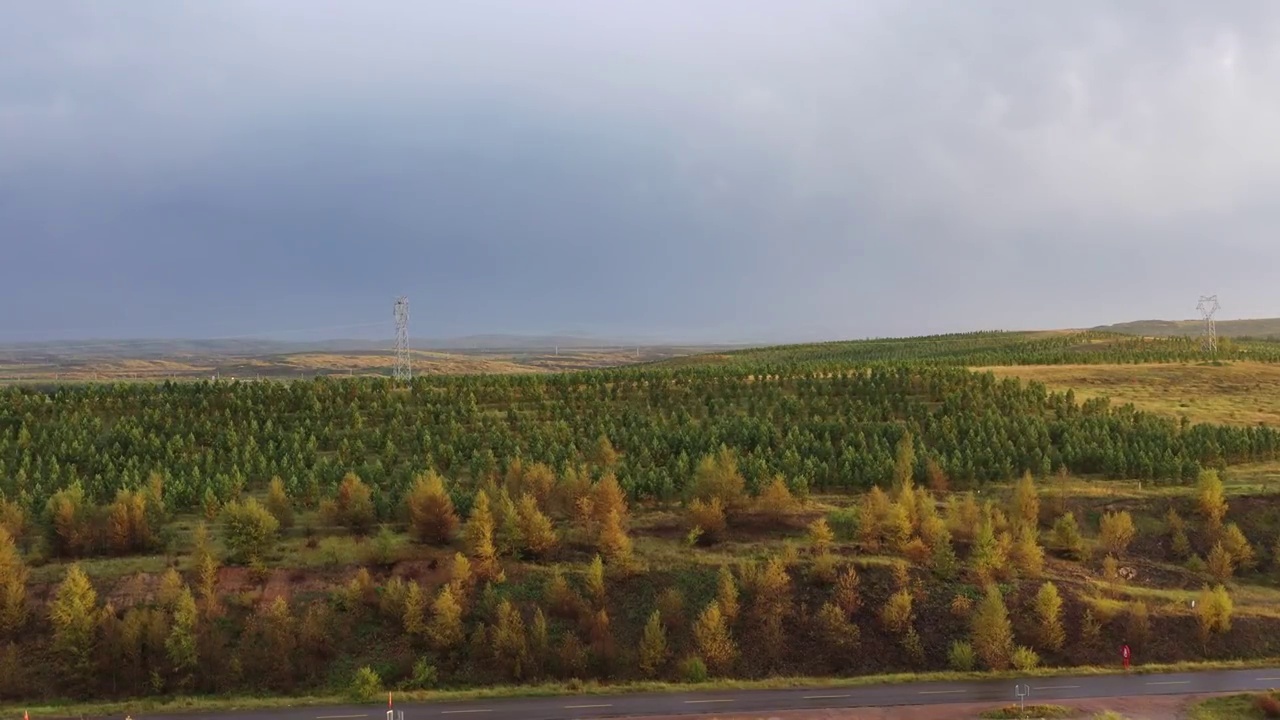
<point x="245" y="347"/>
<point x="1258" y="328"/>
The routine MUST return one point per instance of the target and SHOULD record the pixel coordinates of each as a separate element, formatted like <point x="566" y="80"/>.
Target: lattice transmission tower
<point x="402" y="371"/>
<point x="1209" y="334"/>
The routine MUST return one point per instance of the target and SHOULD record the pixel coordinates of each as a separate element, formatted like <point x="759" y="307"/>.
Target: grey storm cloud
<point x="714" y="170"/>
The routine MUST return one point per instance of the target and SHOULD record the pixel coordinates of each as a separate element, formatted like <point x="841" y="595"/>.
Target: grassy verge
<point x="228" y="704"/>
<point x="1014" y="712"/>
<point x="1229" y="707"/>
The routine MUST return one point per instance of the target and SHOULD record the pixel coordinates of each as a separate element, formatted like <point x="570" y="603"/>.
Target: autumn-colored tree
<point x="939" y="483"/>
<point x="538" y="480"/>
<point x="352" y="506"/>
<point x="206" y="567"/>
<point x="1221" y="564"/>
<point x="727" y="595"/>
<point x="901" y="574"/>
<point x="820" y="536"/>
<point x="905" y="496"/>
<point x="572" y="487"/>
<point x="128" y="527"/>
<point x="1139" y="622"/>
<point x="775" y="503"/>
<point x="872" y="515"/>
<point x="963" y="516"/>
<point x="671" y="607"/>
<point x="834" y="625"/>
<point x="596" y="588"/>
<point x="445" y="630"/>
<point x="613" y="542"/>
<point x="1026" y="554"/>
<point x="713" y="640"/>
<point x="604" y="455"/>
<point x="904" y="463"/>
<point x="847" y="595"/>
<point x="1090" y="628"/>
<point x="992" y="635"/>
<point x="510" y="645"/>
<point x="571" y="656"/>
<point x="600" y="636"/>
<point x="1110" y="568"/>
<point x="171" y="587"/>
<point x="538" y="534"/>
<point x="1238" y="546"/>
<point x="717" y="476"/>
<point x="274" y="635"/>
<point x="461" y="580"/>
<point x="415" y="610"/>
<point x="897" y="612"/>
<point x="561" y="599"/>
<point x="898" y="526"/>
<point x="479" y="539"/>
<point x="1116" y="531"/>
<point x="180" y="646"/>
<point x="1066" y="537"/>
<point x="607" y="496"/>
<point x="771" y="603"/>
<point x="540" y="658"/>
<point x="73" y="614"/>
<point x="1048" y="608"/>
<point x="279" y="504"/>
<point x="932" y="526"/>
<point x="1179" y="545"/>
<point x="13" y="586"/>
<point x="1025" y="505"/>
<point x="653" y="646"/>
<point x="708" y="518"/>
<point x="942" y="558"/>
<point x="69" y="522"/>
<point x="431" y="514"/>
<point x="317" y="646"/>
<point x="1213" y="611"/>
<point x="13" y="518"/>
<point x="248" y="530"/>
<point x="985" y="558"/>
<point x="1211" y="499"/>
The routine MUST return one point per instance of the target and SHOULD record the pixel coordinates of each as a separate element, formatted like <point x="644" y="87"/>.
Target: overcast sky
<point x="715" y="170"/>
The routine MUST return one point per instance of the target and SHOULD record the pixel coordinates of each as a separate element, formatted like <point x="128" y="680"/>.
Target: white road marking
<point x="338" y="717"/>
<point x="458" y="712"/>
<point x="698" y="702"/>
<point x="1056" y="687"/>
<point x="1268" y="679"/>
<point x="1171" y="682"/>
<point x="581" y="707"/>
<point x="942" y="692"/>
<point x="823" y="697"/>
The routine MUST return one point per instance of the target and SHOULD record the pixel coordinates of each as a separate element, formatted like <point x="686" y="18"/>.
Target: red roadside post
<point x="1124" y="652"/>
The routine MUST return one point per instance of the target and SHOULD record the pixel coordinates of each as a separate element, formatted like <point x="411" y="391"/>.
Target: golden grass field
<point x="1237" y="393"/>
<point x="311" y="364"/>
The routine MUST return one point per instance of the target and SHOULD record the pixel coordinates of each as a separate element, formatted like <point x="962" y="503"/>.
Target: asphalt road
<point x="586" y="707"/>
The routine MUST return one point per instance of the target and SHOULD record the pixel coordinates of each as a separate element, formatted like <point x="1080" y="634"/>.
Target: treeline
<point x="835" y="431"/>
<point x="968" y="591"/>
<point x="978" y="349"/>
